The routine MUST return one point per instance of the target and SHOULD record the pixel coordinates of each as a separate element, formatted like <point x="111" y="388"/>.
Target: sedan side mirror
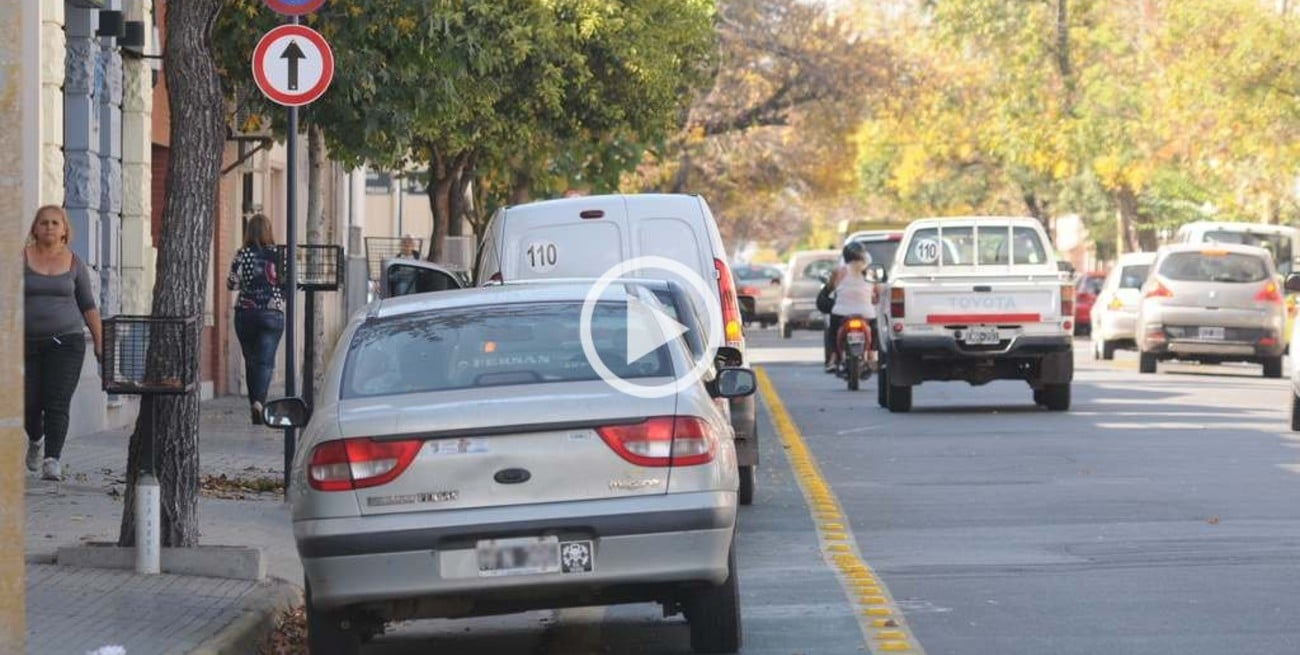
<point x="735" y="383"/>
<point x="1292" y="282"/>
<point x="285" y="413"/>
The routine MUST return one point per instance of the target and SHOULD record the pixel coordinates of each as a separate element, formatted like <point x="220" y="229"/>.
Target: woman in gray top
<point x="57" y="301"/>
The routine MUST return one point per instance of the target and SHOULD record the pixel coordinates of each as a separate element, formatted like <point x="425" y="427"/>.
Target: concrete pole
<point x="18" y="148"/>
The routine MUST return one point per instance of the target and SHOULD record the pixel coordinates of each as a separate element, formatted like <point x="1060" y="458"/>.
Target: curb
<point x="243" y="634"/>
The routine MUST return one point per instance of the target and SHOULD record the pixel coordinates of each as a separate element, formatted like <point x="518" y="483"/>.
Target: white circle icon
<point x="649" y="328"/>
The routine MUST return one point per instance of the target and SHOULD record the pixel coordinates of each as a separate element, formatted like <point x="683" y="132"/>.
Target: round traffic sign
<point x="293" y="65"/>
<point x="294" y="7"/>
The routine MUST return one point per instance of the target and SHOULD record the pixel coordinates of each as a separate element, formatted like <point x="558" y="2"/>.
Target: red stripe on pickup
<point x="966" y="319"/>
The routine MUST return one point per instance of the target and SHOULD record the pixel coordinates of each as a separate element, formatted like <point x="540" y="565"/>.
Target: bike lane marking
<point x="879" y="617"/>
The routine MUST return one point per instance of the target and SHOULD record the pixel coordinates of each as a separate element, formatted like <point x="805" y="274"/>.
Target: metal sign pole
<point x="291" y="269"/>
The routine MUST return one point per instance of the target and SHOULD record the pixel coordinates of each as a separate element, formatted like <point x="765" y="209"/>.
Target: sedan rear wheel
<point x="714" y="614"/>
<point x="331" y="632"/>
<point x="785" y="330"/>
<point x="1295" y="412"/>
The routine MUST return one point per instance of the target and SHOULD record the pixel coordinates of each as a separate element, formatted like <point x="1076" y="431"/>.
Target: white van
<point x="582" y="237"/>
<point x="1283" y="241"/>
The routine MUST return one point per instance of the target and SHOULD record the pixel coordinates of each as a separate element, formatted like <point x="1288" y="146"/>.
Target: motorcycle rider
<point x="854" y="295"/>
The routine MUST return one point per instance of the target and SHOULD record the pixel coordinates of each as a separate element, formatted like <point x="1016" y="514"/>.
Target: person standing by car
<point x="854" y="296"/>
<point x="259" y="308"/>
<point x="57" y="300"/>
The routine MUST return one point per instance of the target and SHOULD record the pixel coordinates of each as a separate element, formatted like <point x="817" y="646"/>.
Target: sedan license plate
<point x="521" y="556"/>
<point x="1212" y="333"/>
<point x="981" y="335"/>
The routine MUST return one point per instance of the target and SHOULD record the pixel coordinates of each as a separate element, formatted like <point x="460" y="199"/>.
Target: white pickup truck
<point x="976" y="299"/>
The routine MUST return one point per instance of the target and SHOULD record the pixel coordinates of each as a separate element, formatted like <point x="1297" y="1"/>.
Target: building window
<point x="378" y="182"/>
<point x="416" y="182"/>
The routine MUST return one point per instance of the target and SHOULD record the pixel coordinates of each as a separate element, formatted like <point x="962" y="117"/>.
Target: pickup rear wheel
<point x="899" y="399"/>
<point x="1146" y="363"/>
<point x="1056" y="397"/>
<point x="785" y="330"/>
<point x="1038" y="397"/>
<point x="1272" y="367"/>
<point x="882" y="386"/>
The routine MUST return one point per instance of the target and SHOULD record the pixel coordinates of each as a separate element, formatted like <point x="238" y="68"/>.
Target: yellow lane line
<point x="878" y="615"/>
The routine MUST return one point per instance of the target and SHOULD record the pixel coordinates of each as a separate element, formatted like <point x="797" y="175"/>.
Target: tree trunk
<point x="1126" y="217"/>
<point x="521" y="186"/>
<point x="185" y="247"/>
<point x="315" y="236"/>
<point x="444" y="174"/>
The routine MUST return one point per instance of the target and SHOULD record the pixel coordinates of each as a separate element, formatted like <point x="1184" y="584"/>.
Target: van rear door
<point x="563" y="239"/>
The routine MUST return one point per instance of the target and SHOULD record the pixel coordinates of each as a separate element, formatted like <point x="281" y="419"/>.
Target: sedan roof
<point x="503" y="294"/>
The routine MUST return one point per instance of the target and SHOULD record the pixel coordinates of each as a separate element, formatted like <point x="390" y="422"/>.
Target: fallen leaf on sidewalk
<point x="289" y="636"/>
<point x="223" y="486"/>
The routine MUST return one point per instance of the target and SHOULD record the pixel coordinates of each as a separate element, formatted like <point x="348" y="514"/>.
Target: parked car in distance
<point x="462" y="462"/>
<point x="1211" y="303"/>
<point x="759" y="289"/>
<point x="1293" y="286"/>
<point x="586" y="236"/>
<point x="1115" y="309"/>
<point x="1086" y="289"/>
<point x="804" y="277"/>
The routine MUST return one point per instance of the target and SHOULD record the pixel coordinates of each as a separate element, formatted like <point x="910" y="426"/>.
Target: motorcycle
<point x="855" y="343"/>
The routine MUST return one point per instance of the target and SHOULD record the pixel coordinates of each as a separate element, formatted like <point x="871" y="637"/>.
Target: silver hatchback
<point x="1212" y="303"/>
<point x="465" y="459"/>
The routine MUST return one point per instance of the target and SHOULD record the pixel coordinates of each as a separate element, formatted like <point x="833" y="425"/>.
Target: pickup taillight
<point x="896" y="298"/>
<point x="1067" y="301"/>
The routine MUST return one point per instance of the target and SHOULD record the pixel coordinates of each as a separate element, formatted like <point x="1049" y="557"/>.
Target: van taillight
<point x="662" y="441"/>
<point x="1067" y="301"/>
<point x="896" y="298"/>
<point x="731" y="325"/>
<point x="347" y="464"/>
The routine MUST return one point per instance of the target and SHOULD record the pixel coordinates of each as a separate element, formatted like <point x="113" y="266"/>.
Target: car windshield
<point x="757" y="273"/>
<point x="818" y="269"/>
<point x="524" y="343"/>
<point x="1278" y="245"/>
<point x="1214" y="267"/>
<point x="882" y="251"/>
<point x="1133" y="276"/>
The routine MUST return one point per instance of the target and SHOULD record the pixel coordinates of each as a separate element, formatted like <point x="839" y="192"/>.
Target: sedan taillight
<point x="662" y="441"/>
<point x="1269" y="294"/>
<point x="347" y="464"/>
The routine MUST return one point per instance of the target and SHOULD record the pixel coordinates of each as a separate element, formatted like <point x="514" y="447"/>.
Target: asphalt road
<point x="1160" y="515"/>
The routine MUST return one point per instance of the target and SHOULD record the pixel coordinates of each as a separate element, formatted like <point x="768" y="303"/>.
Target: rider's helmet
<point x="856" y="251"/>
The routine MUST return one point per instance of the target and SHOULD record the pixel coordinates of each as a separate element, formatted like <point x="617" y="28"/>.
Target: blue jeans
<point x="259" y="332"/>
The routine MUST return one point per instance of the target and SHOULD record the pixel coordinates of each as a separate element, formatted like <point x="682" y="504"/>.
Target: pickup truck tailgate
<point x="987" y="302"/>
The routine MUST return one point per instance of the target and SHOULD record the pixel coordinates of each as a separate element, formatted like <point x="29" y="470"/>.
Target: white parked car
<point x="1114" y="312"/>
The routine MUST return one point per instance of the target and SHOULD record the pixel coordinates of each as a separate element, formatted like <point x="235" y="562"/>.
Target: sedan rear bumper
<point x="431" y="555"/>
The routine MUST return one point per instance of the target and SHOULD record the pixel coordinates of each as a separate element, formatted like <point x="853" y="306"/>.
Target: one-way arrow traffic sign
<point x="293" y="53"/>
<point x="293" y="65"/>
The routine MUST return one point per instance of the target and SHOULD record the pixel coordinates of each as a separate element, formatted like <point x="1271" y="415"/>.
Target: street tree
<point x="766" y="142"/>
<point x="505" y="94"/>
<point x="197" y="137"/>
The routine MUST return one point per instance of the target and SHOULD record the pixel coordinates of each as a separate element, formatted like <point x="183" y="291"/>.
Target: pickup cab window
<point x="967" y="246"/>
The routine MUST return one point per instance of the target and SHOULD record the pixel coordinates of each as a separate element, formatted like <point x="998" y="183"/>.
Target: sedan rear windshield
<point x="481" y="346"/>
<point x="1214" y="267"/>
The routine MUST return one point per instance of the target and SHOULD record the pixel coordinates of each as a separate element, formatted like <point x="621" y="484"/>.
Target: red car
<point x="1085" y="293"/>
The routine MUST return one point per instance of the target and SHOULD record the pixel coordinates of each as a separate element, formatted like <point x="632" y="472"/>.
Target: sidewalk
<point x="76" y="610"/>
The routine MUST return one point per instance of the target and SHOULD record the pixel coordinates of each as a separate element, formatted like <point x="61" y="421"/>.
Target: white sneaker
<point x="34" y="449"/>
<point x="51" y="469"/>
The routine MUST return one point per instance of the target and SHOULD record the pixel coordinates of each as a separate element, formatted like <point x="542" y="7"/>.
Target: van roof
<point x="578" y="204"/>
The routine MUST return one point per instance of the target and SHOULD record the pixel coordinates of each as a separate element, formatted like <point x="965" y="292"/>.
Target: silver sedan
<point x="465" y="458"/>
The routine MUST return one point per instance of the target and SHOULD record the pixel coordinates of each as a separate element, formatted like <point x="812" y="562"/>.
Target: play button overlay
<point x="649" y="327"/>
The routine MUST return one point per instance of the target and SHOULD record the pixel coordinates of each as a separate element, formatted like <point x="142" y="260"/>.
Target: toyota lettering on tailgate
<point x="980" y="309"/>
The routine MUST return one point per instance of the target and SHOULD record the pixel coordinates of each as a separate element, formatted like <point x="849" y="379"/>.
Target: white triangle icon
<point x="648" y="329"/>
